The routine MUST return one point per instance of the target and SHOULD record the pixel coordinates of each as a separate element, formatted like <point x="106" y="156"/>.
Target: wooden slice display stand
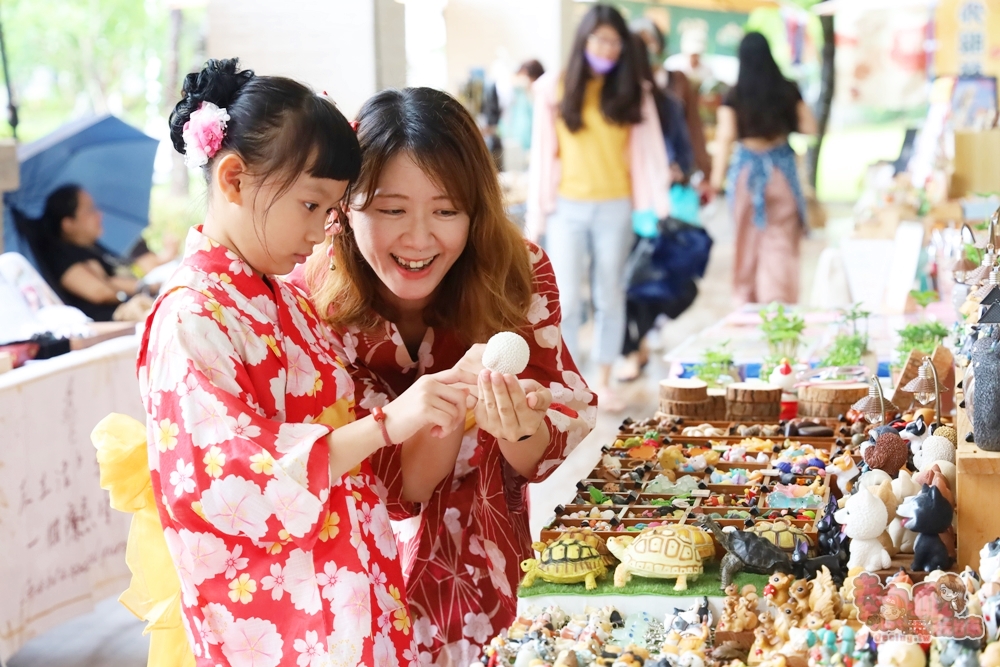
<point x="978" y="476"/>
<point x="754" y="401"/>
<point x="829" y="400"/>
<point x="691" y="398"/>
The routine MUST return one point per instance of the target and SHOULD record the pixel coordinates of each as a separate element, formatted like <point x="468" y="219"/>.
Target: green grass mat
<point x="706" y="584"/>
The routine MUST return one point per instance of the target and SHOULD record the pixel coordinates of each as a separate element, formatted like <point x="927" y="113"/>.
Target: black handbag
<point x="664" y="270"/>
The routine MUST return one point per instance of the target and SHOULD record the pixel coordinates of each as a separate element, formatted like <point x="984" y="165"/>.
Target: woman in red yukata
<point x="282" y="547"/>
<point x="425" y="268"/>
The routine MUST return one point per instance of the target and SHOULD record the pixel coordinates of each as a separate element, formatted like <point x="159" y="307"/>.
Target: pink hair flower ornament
<point x="203" y="134"/>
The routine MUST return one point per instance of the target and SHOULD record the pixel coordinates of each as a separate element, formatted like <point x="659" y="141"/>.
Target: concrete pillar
<point x="349" y="48"/>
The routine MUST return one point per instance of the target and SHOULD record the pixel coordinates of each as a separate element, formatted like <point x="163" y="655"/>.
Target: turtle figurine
<point x="780" y="533"/>
<point x="567" y="560"/>
<point x="586" y="536"/>
<point x="663" y="552"/>
<point x="747" y="551"/>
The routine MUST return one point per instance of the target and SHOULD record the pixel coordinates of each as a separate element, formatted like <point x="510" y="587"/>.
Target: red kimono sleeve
<point x="220" y="460"/>
<point x="552" y="366"/>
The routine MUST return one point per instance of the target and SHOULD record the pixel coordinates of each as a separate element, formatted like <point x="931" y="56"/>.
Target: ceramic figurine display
<point x="864" y="518"/>
<point x="664" y="552"/>
<point x="928" y="514"/>
<point x="739" y="609"/>
<point x="805" y="567"/>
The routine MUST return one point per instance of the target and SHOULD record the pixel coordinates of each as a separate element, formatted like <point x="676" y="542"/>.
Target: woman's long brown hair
<point x="489" y="287"/>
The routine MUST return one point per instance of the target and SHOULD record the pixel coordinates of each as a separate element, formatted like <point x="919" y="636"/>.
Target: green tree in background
<point x="70" y="58"/>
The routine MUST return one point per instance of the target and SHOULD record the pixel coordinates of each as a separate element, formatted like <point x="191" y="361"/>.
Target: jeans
<point x="602" y="232"/>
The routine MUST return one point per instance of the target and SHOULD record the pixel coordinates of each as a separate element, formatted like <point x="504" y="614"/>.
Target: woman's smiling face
<point x="411" y="234"/>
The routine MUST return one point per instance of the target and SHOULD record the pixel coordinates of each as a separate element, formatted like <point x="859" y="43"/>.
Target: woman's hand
<point x="510" y="409"/>
<point x="436" y="400"/>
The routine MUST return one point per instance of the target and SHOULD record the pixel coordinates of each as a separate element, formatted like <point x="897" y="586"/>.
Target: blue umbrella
<point x="109" y="158"/>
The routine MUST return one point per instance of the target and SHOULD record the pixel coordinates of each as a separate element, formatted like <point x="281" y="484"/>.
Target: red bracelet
<point x="379" y="417"/>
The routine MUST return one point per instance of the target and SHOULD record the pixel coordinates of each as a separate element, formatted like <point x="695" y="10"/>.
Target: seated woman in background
<point x="86" y="274"/>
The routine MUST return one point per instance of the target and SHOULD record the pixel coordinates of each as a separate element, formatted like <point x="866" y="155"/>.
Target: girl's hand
<point x="436" y="400"/>
<point x="508" y="408"/>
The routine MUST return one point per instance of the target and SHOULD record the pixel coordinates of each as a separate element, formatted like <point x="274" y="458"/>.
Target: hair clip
<point x="354" y="126"/>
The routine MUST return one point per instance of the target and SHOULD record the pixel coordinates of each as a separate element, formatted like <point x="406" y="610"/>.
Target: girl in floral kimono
<point x="428" y="266"/>
<point x="270" y="510"/>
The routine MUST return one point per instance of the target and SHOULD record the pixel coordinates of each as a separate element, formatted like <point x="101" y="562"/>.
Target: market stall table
<point x="63" y="546"/>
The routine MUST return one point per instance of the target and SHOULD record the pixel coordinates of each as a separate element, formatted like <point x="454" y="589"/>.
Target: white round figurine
<point x="934" y="448"/>
<point x="506" y="353"/>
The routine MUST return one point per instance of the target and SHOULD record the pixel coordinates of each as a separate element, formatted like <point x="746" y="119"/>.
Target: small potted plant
<point x="924" y="337"/>
<point x="783" y="332"/>
<point x="717" y="368"/>
<point x="850" y="346"/>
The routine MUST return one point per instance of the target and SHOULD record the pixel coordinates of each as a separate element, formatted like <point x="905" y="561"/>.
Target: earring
<point x="333" y="227"/>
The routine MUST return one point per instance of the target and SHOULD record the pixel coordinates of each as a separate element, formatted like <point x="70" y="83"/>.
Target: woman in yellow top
<point x="597" y="155"/>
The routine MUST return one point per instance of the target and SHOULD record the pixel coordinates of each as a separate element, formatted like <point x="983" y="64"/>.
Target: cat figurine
<point x="928" y="514"/>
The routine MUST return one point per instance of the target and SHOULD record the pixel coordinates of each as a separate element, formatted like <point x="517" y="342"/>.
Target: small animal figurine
<point x="889" y="453"/>
<point x="845" y="470"/>
<point x="915" y="433"/>
<point x="872" y="478"/>
<point x="799" y="594"/>
<point x="785" y="618"/>
<point x="728" y="620"/>
<point x="989" y="561"/>
<point x="824" y="597"/>
<point x="849" y="611"/>
<point x="746" y="551"/>
<point x="746" y="608"/>
<point x="830" y="539"/>
<point x="864" y="518"/>
<point x="902" y="488"/>
<point x="935" y="448"/>
<point x="934" y="476"/>
<point x="776" y="590"/>
<point x="805" y="567"/>
<point x="884" y="493"/>
<point x="928" y="514"/>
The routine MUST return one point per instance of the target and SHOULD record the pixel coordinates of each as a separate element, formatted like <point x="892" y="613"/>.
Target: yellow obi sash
<point x="154" y="594"/>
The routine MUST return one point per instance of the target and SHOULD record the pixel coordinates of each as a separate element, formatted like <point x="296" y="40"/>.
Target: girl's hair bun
<point x="219" y="83"/>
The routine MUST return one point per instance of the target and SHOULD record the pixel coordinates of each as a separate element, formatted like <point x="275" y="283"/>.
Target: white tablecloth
<point x="62" y="548"/>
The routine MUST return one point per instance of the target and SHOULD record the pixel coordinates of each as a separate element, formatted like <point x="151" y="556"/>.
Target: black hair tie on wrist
<point x="524" y="437"/>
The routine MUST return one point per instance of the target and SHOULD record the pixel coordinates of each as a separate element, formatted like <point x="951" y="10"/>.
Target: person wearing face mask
<point x="597" y="154"/>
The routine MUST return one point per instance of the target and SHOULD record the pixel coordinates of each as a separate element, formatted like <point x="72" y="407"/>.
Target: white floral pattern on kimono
<point x="278" y="564"/>
<point x="462" y="553"/>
